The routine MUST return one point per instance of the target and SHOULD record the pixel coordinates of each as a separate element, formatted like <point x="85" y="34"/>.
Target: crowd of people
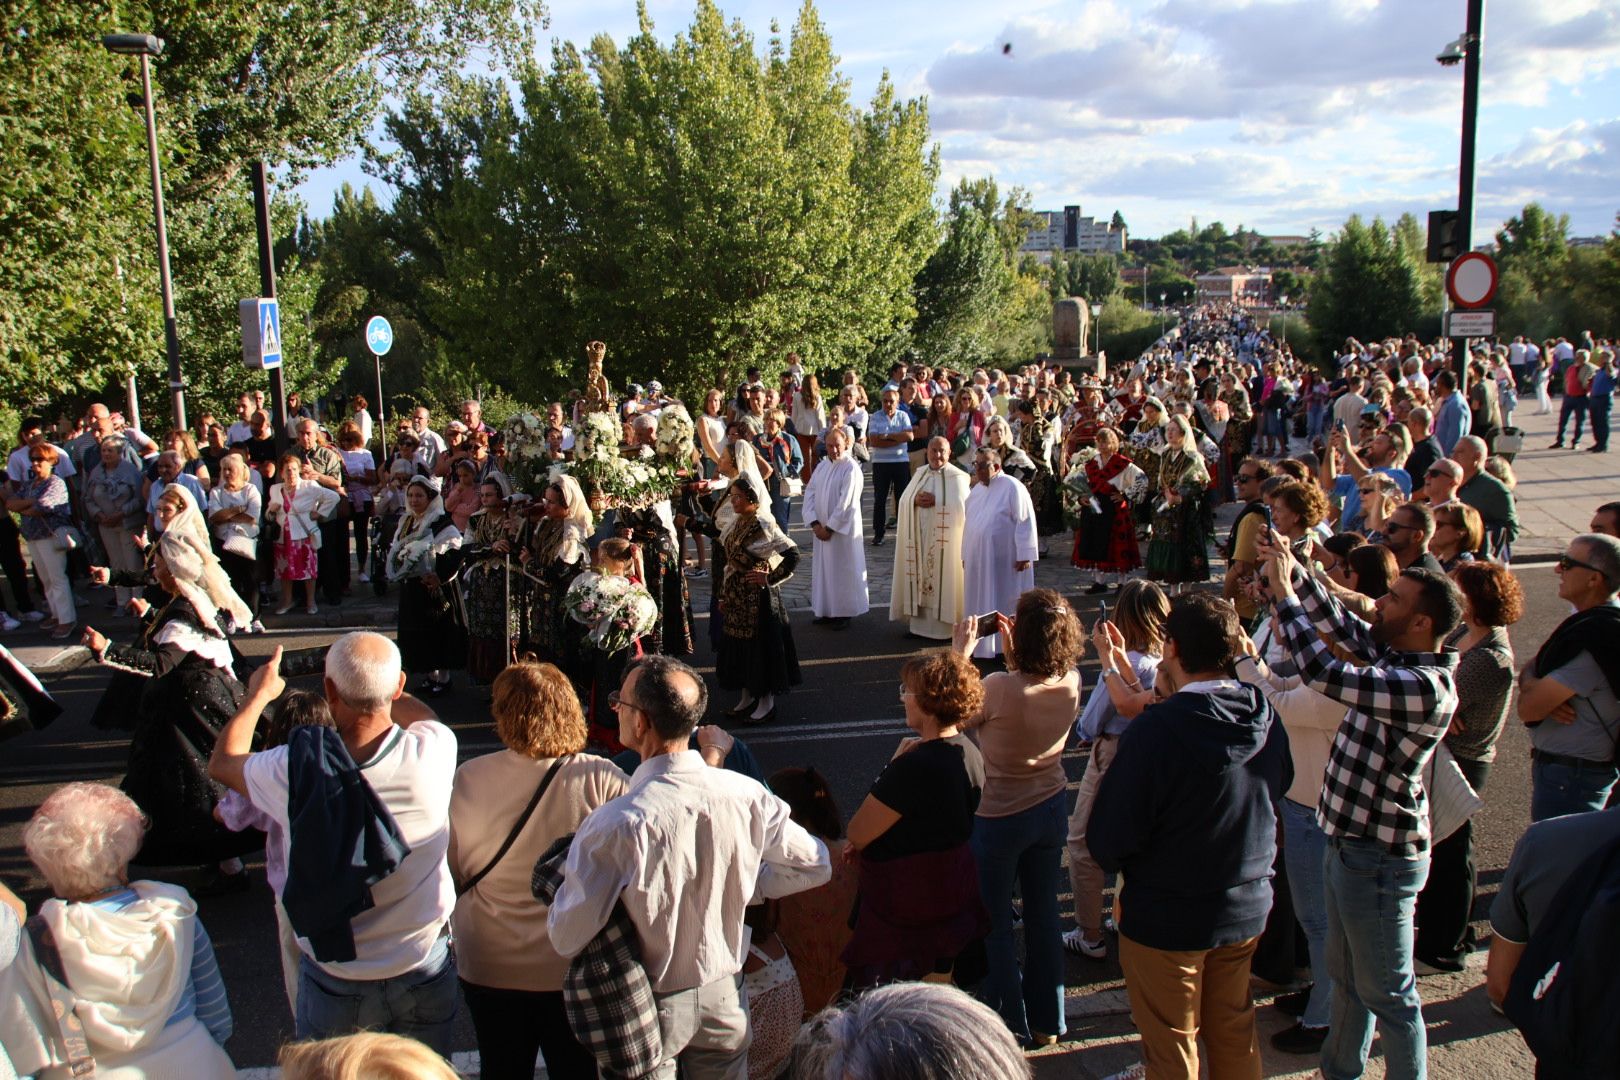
<point x="1291" y="754"/>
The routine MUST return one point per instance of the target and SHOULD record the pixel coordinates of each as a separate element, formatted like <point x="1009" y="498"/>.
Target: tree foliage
<point x="1369" y="286"/>
<point x="699" y="205"/>
<point x="297" y="84"/>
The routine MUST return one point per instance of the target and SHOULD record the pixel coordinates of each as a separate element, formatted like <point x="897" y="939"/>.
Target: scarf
<point x="415" y="539"/>
<point x="188" y="552"/>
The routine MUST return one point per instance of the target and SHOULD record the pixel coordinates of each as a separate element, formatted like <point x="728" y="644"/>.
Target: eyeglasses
<point x="1567" y="563"/>
<point x="1248" y="476"/>
<point x="31" y="457"/>
<point x="1432" y="473"/>
<point x="617" y="701"/>
<point x="1393" y="526"/>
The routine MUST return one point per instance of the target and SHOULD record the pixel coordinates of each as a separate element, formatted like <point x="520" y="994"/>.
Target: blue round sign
<point x="379" y="335"/>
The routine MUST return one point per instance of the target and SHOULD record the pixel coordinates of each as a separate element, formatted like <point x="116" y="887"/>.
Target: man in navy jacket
<point x="1186" y="815"/>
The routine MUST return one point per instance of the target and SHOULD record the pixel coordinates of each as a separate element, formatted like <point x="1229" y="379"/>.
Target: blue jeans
<point x="1599" y="406"/>
<point x="781" y="508"/>
<point x="1026" y="847"/>
<point x="1371" y="896"/>
<point x="1557" y="789"/>
<point x="420" y="1004"/>
<point x="1304" y="844"/>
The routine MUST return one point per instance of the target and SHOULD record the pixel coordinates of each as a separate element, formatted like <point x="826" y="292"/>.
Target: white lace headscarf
<point x="189" y="554"/>
<point x="414" y="541"/>
<point x="747" y="462"/>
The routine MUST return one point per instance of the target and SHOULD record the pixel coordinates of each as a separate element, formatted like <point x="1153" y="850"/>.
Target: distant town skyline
<point x="1278" y="115"/>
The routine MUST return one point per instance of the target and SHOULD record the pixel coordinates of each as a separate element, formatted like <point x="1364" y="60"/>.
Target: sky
<point x="1279" y="115"/>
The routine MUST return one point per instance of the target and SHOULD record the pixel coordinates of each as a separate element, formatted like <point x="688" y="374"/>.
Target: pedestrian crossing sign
<point x="261" y="332"/>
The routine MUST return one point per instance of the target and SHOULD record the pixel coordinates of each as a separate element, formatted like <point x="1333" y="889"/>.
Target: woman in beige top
<point x="510" y="975"/>
<point x="1022" y="820"/>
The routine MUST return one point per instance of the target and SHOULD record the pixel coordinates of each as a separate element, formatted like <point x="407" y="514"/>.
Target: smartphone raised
<point x="1102" y="611"/>
<point x="987" y="624"/>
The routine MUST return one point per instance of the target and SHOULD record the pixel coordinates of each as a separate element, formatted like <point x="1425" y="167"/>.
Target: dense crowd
<point x="627" y="893"/>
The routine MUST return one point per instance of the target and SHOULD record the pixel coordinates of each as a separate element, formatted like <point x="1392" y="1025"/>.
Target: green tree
<point x="1117" y="221"/>
<point x="296" y="85"/>
<point x="963" y="287"/>
<point x="1535" y="244"/>
<point x="1413" y="239"/>
<point x="1094" y="277"/>
<point x="1368" y="288"/>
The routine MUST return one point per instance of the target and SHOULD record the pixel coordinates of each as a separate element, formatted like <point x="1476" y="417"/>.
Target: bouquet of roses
<point x="675" y="435"/>
<point x="615" y="610"/>
<point x="527" y="460"/>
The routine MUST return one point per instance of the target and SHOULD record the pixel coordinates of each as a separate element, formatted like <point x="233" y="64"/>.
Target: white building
<point x="1067" y="230"/>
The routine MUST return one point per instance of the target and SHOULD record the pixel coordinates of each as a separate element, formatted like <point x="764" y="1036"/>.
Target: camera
<point x="1455" y="53"/>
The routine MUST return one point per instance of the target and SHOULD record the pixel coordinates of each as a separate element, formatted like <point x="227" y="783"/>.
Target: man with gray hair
<point x="1488" y="495"/>
<point x="399" y="976"/>
<point x="170" y="469"/>
<point x="1440" y="483"/>
<point x="1567" y="694"/>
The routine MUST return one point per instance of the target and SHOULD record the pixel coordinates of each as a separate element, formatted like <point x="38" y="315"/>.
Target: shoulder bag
<point x="523" y="819"/>
<point x="75" y="1046"/>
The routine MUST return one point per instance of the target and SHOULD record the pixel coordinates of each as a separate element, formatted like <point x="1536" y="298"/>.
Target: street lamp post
<point x="1096" y="328"/>
<point x="1282" y="301"/>
<point x="147" y="46"/>
<point x="1467" y="49"/>
<point x="1161" y="314"/>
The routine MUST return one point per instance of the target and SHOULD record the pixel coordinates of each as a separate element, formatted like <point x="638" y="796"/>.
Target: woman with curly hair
<point x="918" y="905"/>
<point x="1022" y="726"/>
<point x="510" y="974"/>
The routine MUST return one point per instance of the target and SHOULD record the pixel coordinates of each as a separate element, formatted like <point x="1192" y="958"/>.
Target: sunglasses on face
<point x="1567" y="563"/>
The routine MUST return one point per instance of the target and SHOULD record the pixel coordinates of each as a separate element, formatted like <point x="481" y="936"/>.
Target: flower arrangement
<point x="615" y="610"/>
<point x="675" y="435"/>
<point x="527" y="459"/>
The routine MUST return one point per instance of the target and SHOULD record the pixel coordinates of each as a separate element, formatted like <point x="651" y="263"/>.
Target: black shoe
<point x="750" y="719"/>
<point x="1097" y="587"/>
<point x="877" y="541"/>
<point x="821" y="620"/>
<point x="1293" y="1004"/>
<point x="740" y="711"/>
<point x="1559" y="445"/>
<point x="222" y="885"/>
<point x="838" y="624"/>
<point x="1300" y="1039"/>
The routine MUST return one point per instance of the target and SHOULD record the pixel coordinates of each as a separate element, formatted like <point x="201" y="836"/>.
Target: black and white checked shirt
<point x="1399" y="706"/>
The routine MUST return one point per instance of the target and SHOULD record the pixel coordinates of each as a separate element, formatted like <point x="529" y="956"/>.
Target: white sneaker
<point x="312" y="610"/>
<point x="7" y="623"/>
<point x="1075" y="942"/>
<point x="365" y="578"/>
<point x="1135" y="1072"/>
<point x="33" y="616"/>
<point x="256" y="627"/>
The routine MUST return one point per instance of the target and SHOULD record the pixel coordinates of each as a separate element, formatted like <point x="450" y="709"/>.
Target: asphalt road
<point x="845" y="720"/>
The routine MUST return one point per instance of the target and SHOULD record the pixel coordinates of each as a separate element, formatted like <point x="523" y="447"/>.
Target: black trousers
<point x="887" y="476"/>
<point x="332" y="561"/>
<point x="243" y="573"/>
<point x="1445" y="907"/>
<point x="513" y="1026"/>
<point x="11" y="561"/>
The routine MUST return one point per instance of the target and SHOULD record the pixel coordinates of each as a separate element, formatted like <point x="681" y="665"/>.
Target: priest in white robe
<point x="999" y="544"/>
<point x="832" y="506"/>
<point x="927" y="587"/>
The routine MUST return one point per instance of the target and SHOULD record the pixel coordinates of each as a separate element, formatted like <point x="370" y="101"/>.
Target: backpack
<point x="1565" y="991"/>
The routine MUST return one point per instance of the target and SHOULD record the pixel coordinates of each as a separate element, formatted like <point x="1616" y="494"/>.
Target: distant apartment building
<point x="1067" y="230"/>
<point x="1287" y="241"/>
<point x="1235" y="285"/>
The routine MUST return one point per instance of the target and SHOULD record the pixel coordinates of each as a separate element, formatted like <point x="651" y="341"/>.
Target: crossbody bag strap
<point x="523" y="819"/>
<point x="68" y="1028"/>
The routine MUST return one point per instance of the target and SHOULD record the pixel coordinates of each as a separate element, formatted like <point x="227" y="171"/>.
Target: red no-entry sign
<point x="1471" y="281"/>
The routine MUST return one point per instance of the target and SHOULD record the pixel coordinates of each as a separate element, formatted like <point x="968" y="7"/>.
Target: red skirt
<point x="1106" y="541"/>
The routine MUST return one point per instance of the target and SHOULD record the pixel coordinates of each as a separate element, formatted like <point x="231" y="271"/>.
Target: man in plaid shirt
<point x="1400" y="699"/>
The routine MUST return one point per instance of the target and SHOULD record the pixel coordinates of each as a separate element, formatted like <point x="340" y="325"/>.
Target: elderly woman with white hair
<point x="909" y="1031"/>
<point x="425" y="554"/>
<point x="187" y="690"/>
<point x="129" y="960"/>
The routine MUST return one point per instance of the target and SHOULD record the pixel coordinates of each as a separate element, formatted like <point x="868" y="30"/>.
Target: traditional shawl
<point x="189" y="554"/>
<point x="415" y="542"/>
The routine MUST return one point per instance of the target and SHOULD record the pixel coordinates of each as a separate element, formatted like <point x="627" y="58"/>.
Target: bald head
<point x="939" y="452"/>
<point x="363" y="674"/>
<point x="668" y="693"/>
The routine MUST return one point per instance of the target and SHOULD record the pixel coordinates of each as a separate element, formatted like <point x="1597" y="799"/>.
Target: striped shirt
<point x="1399" y="705"/>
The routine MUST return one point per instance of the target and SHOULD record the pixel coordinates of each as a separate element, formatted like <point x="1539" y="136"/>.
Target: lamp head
<point x="1455" y="53"/>
<point x="133" y="44"/>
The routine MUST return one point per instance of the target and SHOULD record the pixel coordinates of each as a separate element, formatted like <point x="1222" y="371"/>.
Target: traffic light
<point x="1444" y="243"/>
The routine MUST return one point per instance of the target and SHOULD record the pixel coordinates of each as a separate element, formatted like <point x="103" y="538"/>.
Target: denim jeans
<point x="1557" y="789"/>
<point x="1371" y="895"/>
<point x="781" y="510"/>
<point x="420" y="1004"/>
<point x="1304" y="844"/>
<point x="1599" y="406"/>
<point x="1026" y="847"/>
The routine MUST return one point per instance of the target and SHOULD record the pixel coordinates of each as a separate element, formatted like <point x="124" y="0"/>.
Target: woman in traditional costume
<point x="557" y="551"/>
<point x="424" y="556"/>
<point x="1179" y="550"/>
<point x="1105" y="539"/>
<point x="494" y="584"/>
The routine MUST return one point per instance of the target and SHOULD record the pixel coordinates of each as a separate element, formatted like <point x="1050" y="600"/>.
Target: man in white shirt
<point x="242" y="430"/>
<point x="433" y="443"/>
<point x="685" y="851"/>
<point x="402" y="979"/>
<point x="17" y="468"/>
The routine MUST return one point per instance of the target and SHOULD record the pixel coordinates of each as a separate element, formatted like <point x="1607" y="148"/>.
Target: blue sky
<point x="1281" y="115"/>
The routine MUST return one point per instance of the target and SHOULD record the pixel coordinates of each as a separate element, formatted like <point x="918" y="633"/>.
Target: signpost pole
<point x="379" y="339"/>
<point x="267" y="289"/>
<point x="382" y="419"/>
<point x="1474" y="44"/>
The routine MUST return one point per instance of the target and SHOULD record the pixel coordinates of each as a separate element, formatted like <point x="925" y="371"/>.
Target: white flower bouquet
<point x="615" y="610"/>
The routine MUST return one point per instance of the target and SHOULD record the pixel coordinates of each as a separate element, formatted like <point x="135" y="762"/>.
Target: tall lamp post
<point x="1282" y="301"/>
<point x="1096" y="328"/>
<point x="1467" y="49"/>
<point x="1161" y="314"/>
<point x="147" y="46"/>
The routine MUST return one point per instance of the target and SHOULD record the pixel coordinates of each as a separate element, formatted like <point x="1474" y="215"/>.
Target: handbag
<point x="793" y="487"/>
<point x="523" y="819"/>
